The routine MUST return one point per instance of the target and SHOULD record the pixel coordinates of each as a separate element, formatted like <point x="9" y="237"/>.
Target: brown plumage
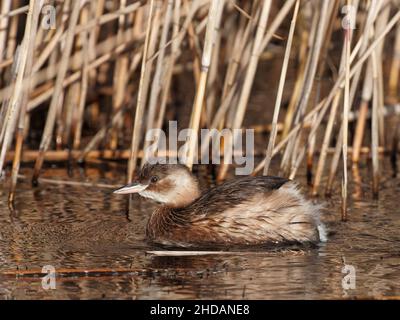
<point x="244" y="211"/>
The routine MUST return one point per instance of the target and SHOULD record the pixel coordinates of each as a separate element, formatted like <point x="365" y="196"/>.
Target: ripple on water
<point x="72" y="227"/>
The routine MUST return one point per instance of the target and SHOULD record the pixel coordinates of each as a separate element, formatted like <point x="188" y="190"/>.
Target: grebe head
<point x="170" y="184"/>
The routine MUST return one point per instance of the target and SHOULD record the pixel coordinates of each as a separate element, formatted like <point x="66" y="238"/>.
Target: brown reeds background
<point x="83" y="80"/>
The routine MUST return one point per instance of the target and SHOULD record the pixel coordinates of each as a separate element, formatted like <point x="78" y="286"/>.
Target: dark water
<point x="86" y="228"/>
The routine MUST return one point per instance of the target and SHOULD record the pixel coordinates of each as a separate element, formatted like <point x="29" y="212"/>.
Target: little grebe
<point x="245" y="211"/>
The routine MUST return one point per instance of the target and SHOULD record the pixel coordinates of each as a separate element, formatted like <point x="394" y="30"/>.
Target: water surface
<point x="76" y="228"/>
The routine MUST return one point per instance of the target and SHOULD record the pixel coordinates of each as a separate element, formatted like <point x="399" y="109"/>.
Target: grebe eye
<point x="154" y="179"/>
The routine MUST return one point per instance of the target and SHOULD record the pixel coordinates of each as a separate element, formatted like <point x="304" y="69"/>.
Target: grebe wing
<point x="232" y="193"/>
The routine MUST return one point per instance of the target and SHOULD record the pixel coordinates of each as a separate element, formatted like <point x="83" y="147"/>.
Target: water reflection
<point x="74" y="227"/>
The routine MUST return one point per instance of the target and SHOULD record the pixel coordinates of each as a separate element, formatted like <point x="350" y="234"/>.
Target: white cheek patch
<point x="154" y="196"/>
<point x="181" y="184"/>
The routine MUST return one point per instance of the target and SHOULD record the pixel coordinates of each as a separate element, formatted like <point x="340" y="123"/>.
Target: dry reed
<point x="106" y="73"/>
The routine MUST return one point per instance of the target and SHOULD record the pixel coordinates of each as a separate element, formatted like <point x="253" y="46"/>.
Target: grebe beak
<point x="134" y="187"/>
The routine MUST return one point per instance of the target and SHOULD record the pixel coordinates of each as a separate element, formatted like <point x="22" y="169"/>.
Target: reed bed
<point x="86" y="80"/>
